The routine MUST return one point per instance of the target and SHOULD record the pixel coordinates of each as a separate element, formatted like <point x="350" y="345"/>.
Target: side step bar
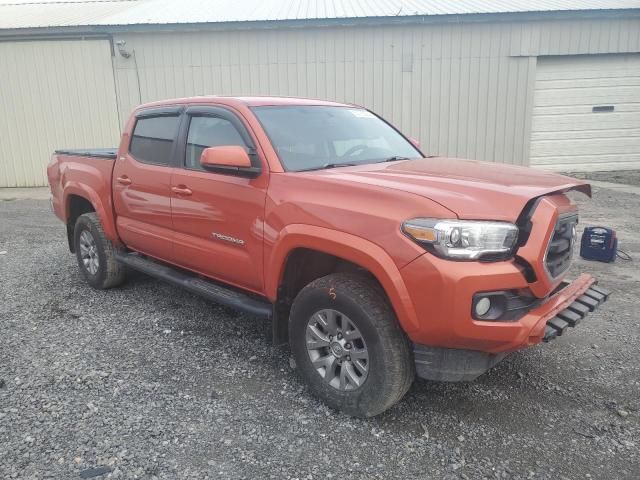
<point x="198" y="285"/>
<point x="574" y="313"/>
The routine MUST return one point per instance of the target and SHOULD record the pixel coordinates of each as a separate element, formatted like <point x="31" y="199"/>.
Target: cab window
<point x="152" y="139"/>
<point x="207" y="132"/>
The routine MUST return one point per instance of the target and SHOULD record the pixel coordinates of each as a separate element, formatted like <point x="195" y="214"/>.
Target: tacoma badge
<point x="227" y="238"/>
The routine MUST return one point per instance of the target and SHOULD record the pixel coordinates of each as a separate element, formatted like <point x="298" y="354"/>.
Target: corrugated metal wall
<point x="53" y="94"/>
<point x="455" y="88"/>
<point x="463" y="89"/>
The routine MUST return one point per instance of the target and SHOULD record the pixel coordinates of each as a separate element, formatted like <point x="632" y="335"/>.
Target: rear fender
<point x="103" y="208"/>
<point x="348" y="247"/>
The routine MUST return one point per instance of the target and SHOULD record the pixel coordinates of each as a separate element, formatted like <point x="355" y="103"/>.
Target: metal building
<point x="551" y="83"/>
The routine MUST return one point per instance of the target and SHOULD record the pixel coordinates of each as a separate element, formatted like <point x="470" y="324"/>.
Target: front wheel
<point x="348" y="346"/>
<point x="96" y="254"/>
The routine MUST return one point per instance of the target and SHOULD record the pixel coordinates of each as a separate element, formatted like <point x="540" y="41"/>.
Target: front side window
<point x="207" y="132"/>
<point x="152" y="139"/>
<point x="313" y="137"/>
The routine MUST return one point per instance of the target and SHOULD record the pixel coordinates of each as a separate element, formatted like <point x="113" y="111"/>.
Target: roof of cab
<point x="245" y="101"/>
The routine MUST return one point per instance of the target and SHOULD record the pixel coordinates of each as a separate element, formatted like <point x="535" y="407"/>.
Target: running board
<point x="197" y="285"/>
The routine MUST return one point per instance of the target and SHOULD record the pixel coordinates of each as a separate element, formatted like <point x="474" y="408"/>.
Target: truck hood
<point x="471" y="189"/>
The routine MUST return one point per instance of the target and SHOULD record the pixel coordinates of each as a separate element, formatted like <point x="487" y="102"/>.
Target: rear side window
<point x="207" y="132"/>
<point x="152" y="139"/>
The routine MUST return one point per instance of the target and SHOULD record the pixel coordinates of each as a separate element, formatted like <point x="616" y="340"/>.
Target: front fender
<point x="349" y="247"/>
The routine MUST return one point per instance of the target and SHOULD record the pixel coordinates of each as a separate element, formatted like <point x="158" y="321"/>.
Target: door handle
<point x="124" y="180"/>
<point x="181" y="190"/>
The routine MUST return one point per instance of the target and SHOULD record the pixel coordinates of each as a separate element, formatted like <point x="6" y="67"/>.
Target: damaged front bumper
<point x="565" y="308"/>
<point x="575" y="312"/>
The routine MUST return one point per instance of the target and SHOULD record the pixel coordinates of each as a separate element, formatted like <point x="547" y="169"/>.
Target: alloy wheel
<point x="89" y="252"/>
<point x="337" y="350"/>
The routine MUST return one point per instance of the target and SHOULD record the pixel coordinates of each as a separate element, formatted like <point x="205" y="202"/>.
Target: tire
<point x="100" y="269"/>
<point x="362" y="310"/>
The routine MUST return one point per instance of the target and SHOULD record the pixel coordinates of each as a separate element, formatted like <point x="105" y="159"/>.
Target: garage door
<point x="53" y="94"/>
<point x="586" y="113"/>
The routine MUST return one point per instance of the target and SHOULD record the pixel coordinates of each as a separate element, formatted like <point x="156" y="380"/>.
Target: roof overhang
<point x="88" y="31"/>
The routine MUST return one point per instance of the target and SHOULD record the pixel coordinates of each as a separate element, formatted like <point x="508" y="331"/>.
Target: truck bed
<point x="109" y="153"/>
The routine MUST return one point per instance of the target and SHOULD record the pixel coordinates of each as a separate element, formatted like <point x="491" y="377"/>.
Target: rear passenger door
<point x="218" y="215"/>
<point x="141" y="183"/>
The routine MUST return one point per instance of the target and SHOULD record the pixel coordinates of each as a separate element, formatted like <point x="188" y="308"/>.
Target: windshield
<point x="314" y="137"/>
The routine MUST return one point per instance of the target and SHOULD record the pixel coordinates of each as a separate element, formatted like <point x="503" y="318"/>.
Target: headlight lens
<point x="464" y="239"/>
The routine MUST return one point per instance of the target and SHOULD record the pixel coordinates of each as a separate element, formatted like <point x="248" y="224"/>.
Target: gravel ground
<point x="628" y="177"/>
<point x="147" y="381"/>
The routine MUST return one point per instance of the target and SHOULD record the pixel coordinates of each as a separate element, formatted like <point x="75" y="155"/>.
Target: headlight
<point x="463" y="239"/>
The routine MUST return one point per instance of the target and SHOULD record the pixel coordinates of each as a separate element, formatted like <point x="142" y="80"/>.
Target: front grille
<point x="560" y="249"/>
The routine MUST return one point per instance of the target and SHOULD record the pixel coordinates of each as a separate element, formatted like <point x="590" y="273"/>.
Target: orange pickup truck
<point x="374" y="261"/>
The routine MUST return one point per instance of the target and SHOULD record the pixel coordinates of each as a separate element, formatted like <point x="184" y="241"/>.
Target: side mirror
<point x="225" y="156"/>
<point x="416" y="143"/>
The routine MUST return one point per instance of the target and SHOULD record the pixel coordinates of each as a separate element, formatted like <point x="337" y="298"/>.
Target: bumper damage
<point x="564" y="309"/>
<point x="575" y="312"/>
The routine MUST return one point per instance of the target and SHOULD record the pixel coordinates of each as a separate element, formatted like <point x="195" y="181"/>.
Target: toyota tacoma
<point x="373" y="260"/>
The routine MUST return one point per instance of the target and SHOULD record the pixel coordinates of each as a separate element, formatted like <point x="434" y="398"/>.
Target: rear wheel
<point x="96" y="254"/>
<point x="348" y="346"/>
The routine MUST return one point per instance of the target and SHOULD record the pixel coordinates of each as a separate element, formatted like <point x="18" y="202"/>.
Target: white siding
<point x="576" y="37"/>
<point x="53" y="94"/>
<point x="567" y="134"/>
<point x="463" y="89"/>
<point x="453" y="87"/>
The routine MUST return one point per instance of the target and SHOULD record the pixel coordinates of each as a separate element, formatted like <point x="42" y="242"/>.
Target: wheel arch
<point x="80" y="199"/>
<point x="75" y="205"/>
<point x="348" y="252"/>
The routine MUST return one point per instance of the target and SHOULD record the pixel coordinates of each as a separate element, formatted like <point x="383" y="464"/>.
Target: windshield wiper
<point x="393" y="159"/>
<point x="352" y="164"/>
<point x="330" y="165"/>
